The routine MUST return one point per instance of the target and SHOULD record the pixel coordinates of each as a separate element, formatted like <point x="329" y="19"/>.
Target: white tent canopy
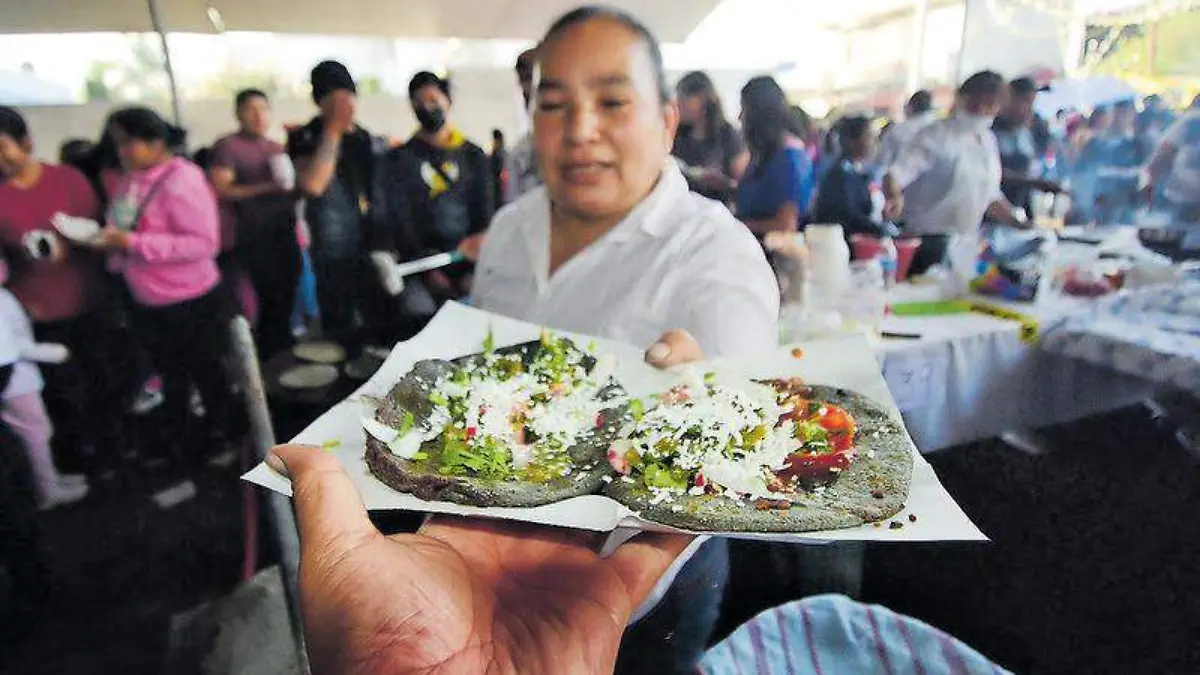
<point x="671" y="20"/>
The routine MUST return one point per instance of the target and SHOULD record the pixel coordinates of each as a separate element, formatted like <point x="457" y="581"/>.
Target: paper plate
<point x="320" y="352"/>
<point x="312" y="376"/>
<point x="81" y="230"/>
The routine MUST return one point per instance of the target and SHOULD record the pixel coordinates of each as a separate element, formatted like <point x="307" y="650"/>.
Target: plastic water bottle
<point x="888" y="260"/>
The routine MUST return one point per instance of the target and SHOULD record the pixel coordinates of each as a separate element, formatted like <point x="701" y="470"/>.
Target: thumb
<point x="674" y="348"/>
<point x="329" y="512"/>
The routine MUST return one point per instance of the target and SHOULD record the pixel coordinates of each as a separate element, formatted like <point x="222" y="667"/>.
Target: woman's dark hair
<point x="12" y="124"/>
<point x="799" y="122"/>
<point x="699" y="83"/>
<point x="75" y="152"/>
<point x="765" y="118"/>
<point x="146" y="125"/>
<point x="587" y="13"/>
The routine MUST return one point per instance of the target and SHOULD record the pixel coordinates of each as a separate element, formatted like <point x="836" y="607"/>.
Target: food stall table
<point x="959" y="378"/>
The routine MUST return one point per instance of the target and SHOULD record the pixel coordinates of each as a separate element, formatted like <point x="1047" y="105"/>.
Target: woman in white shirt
<point x="614" y="245"/>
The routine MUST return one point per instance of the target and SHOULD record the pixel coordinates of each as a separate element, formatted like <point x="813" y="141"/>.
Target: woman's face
<point x="601" y="132"/>
<point x="136" y="153"/>
<point x="691" y="109"/>
<point x="13" y="155"/>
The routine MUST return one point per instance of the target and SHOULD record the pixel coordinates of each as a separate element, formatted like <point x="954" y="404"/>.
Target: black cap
<point x="424" y="79"/>
<point x="328" y="77"/>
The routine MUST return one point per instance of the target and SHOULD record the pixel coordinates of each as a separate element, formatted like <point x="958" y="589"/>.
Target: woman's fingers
<point x="675" y="347"/>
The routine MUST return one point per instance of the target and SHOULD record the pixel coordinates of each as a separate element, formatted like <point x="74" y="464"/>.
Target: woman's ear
<point x="670" y="122"/>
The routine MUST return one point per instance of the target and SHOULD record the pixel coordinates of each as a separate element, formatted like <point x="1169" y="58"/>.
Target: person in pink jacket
<point x="163" y="235"/>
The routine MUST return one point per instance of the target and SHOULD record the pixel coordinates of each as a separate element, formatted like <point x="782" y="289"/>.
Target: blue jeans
<point x="674" y="635"/>
<point x="338" y="258"/>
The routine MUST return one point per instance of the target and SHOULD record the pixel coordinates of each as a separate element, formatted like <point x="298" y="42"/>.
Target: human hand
<point x="673" y="348"/>
<point x="460" y="596"/>
<point x="893" y="205"/>
<point x="470" y="246"/>
<point x="111" y="240"/>
<point x="338" y="109"/>
<point x="787" y="244"/>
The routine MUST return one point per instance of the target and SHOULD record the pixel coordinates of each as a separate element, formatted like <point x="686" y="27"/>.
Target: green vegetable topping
<point x="659" y="476"/>
<point x="407" y="424"/>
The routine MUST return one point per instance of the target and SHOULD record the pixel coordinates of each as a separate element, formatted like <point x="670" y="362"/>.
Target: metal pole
<point x="916" y="53"/>
<point x="156" y="20"/>
<point x="960" y="62"/>
<point x="279" y="508"/>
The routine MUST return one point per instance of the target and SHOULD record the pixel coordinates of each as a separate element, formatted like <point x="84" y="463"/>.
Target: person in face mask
<point x="945" y="180"/>
<point x="434" y="193"/>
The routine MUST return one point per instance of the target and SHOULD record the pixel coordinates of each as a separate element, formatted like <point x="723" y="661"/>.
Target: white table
<point x="970" y="377"/>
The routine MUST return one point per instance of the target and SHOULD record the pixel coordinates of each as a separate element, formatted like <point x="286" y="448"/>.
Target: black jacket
<point x="427" y="199"/>
<point x="844" y="197"/>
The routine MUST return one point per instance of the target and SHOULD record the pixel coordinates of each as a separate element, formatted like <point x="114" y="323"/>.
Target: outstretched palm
<point x="461" y="596"/>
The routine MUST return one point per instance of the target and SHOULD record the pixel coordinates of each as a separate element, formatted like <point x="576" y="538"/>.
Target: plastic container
<point x="828" y="264"/>
<point x="867" y="247"/>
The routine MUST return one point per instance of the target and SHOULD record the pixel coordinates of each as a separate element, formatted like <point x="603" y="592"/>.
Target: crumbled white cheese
<point x="406" y="446"/>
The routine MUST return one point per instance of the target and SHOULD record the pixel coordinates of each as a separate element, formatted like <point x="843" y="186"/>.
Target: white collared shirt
<point x="678" y="260"/>
<point x="900" y="134"/>
<point x="950" y="174"/>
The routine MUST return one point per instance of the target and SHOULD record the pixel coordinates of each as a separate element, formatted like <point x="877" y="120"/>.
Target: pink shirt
<point x="49" y="290"/>
<point x="173" y="247"/>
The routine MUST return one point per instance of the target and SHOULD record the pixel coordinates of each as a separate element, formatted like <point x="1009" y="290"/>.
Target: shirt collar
<point x="651" y="214"/>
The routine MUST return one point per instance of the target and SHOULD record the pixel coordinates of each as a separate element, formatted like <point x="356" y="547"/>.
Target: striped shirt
<point x="832" y="635"/>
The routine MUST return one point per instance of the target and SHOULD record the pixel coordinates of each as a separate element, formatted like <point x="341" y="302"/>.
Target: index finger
<point x="329" y="512"/>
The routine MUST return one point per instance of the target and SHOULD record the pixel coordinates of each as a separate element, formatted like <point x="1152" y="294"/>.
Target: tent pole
<point x="916" y="51"/>
<point x="156" y="20"/>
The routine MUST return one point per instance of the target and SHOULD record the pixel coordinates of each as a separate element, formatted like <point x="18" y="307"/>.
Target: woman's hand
<point x="111" y="240"/>
<point x="460" y="596"/>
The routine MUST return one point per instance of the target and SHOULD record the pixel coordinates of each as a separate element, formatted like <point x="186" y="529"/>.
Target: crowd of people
<point x="633" y="210"/>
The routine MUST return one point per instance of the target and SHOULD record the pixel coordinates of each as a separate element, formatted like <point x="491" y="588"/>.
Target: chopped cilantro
<point x="407" y="424"/>
<point x="489" y="341"/>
